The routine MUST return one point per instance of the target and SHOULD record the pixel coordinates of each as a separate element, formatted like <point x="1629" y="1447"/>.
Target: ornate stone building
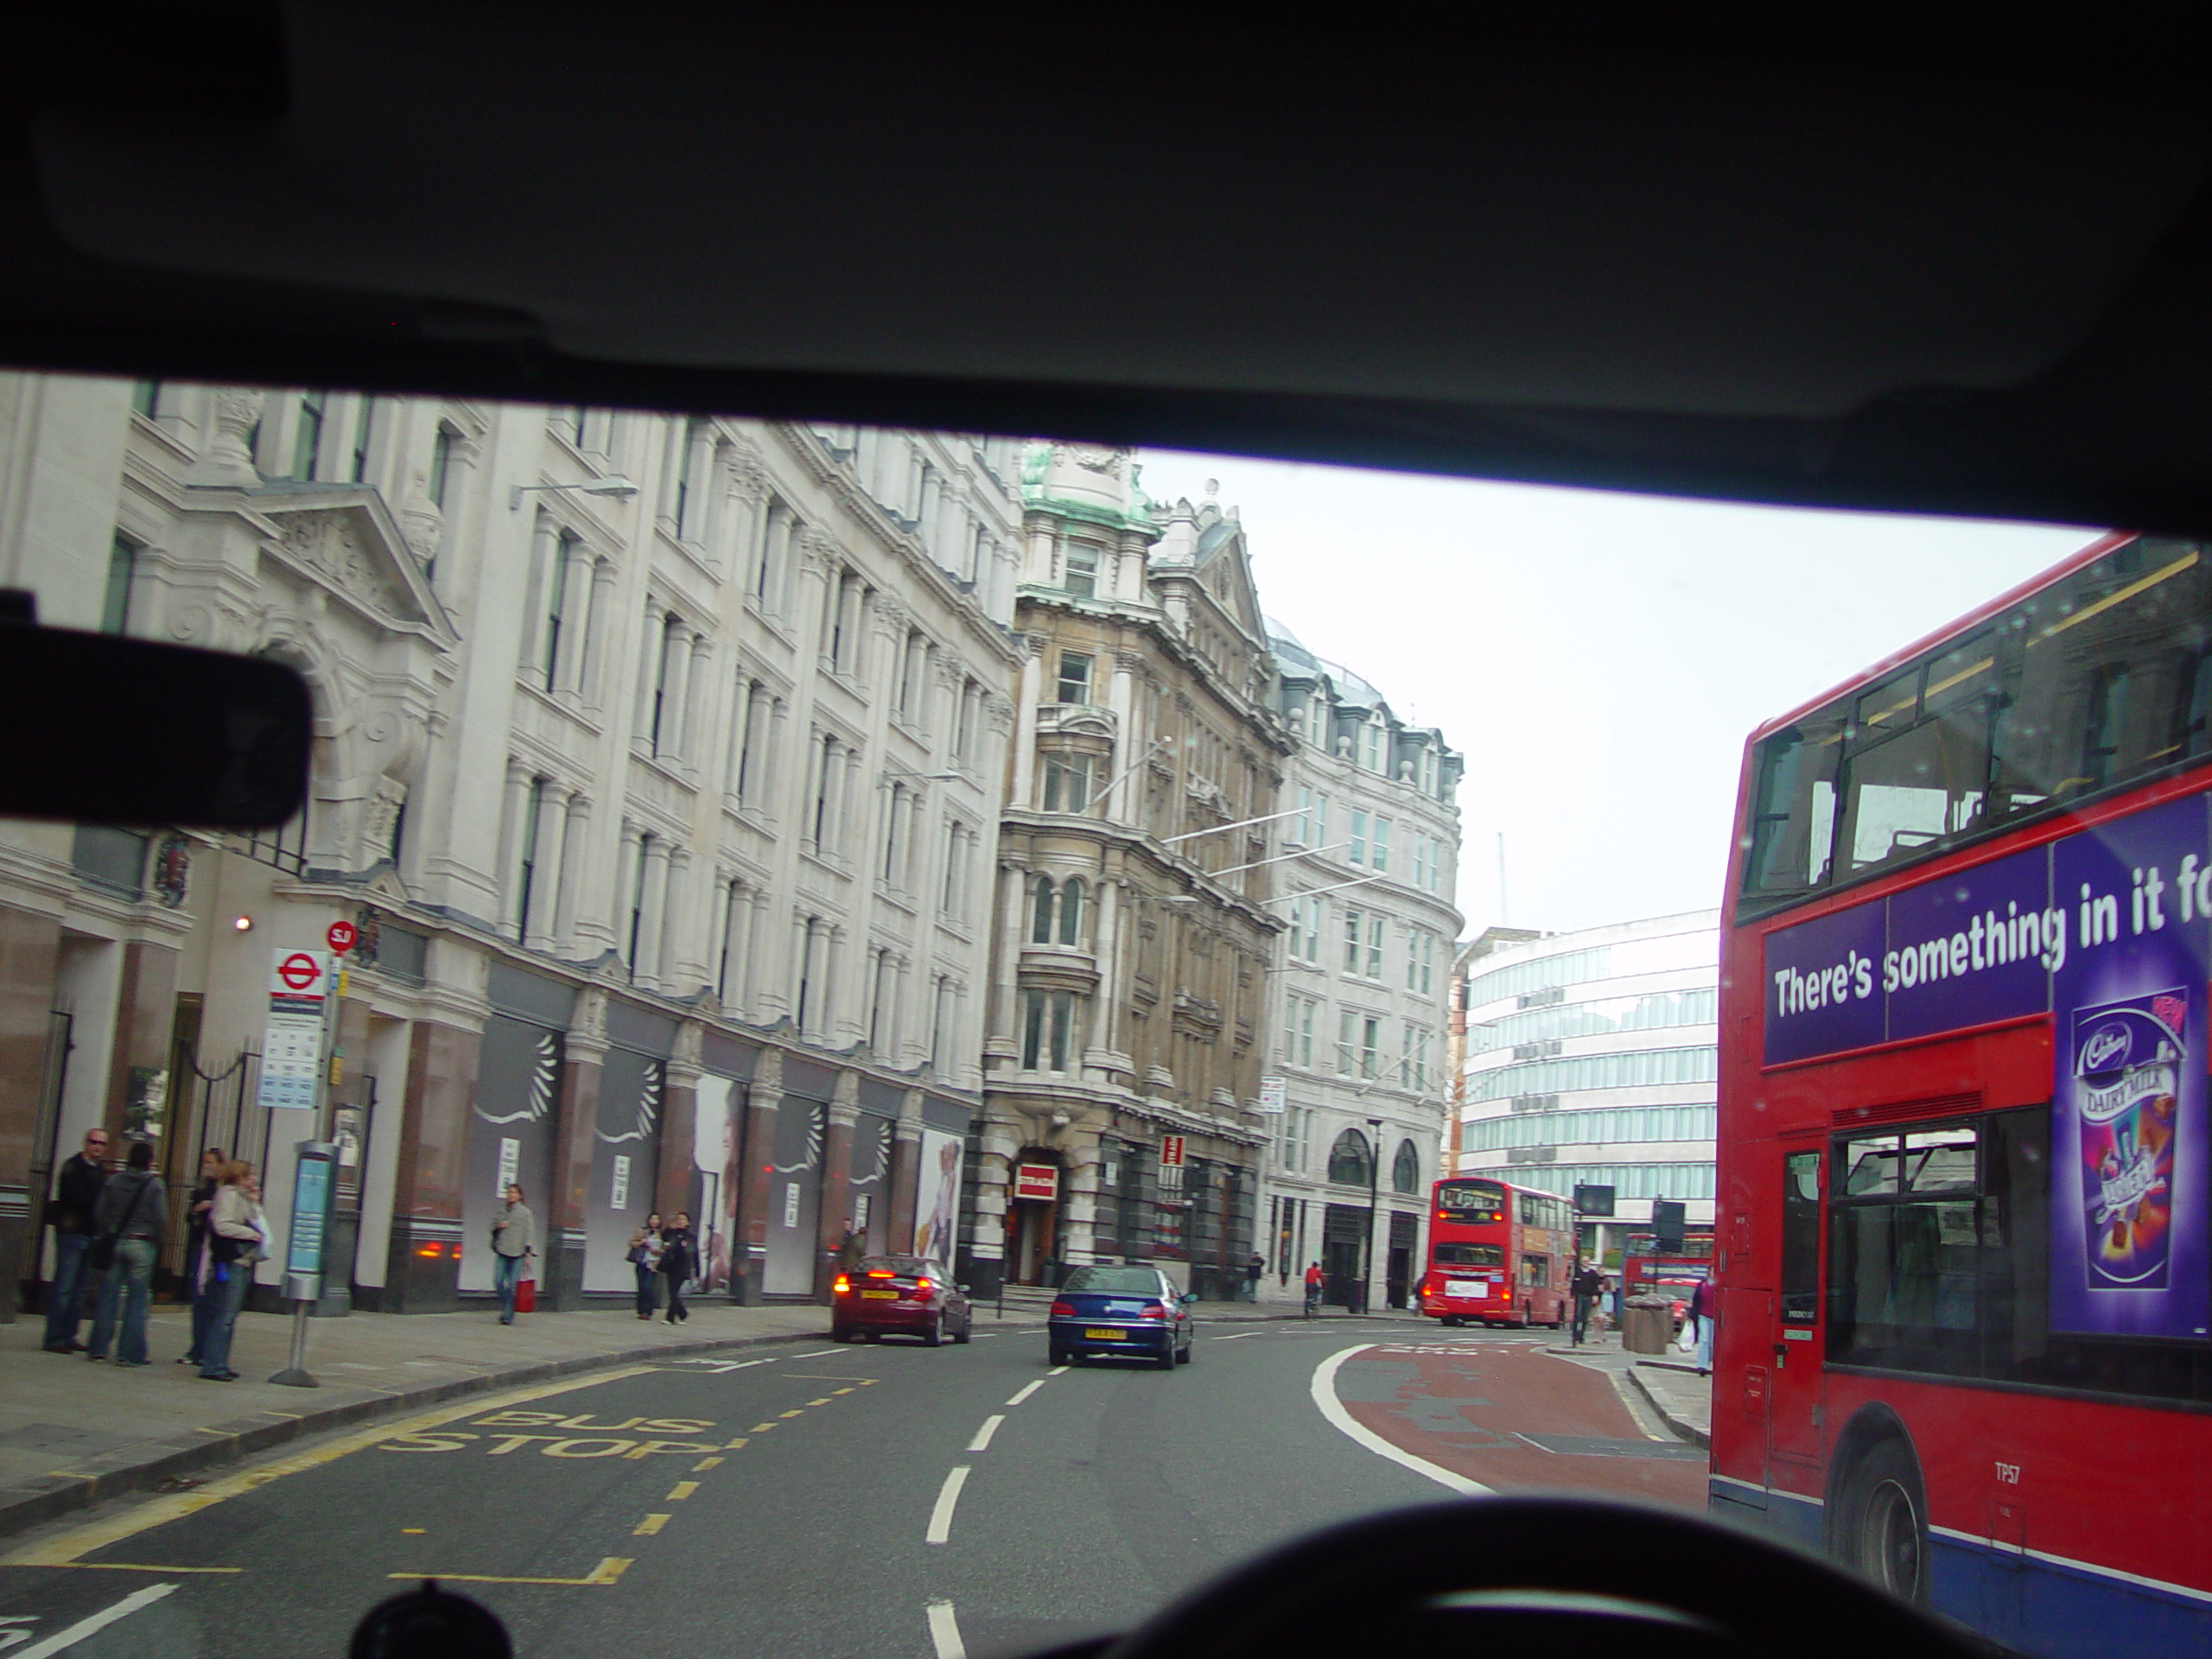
<point x="1129" y="1001"/>
<point x="656" y="761"/>
<point x="1372" y="857"/>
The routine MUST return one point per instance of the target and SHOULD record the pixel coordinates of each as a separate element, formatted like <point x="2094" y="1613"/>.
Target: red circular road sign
<point x="341" y="936"/>
<point x="299" y="970"/>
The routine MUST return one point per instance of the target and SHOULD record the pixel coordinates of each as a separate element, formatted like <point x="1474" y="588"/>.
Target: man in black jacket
<point x="69" y="1212"/>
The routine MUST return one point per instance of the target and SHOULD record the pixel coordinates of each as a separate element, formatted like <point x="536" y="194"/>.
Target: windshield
<point x="752" y="868"/>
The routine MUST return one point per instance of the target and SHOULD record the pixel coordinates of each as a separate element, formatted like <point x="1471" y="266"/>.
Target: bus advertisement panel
<point x="1497" y="1254"/>
<point x="1964" y="1251"/>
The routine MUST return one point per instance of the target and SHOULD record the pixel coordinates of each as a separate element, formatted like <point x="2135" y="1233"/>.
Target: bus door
<point x="1794" y="1428"/>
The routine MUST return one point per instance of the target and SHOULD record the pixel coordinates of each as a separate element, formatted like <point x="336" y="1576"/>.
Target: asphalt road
<point x="816" y="1501"/>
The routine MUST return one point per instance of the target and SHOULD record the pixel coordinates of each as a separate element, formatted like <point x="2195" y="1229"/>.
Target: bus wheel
<point x="1450" y="1321"/>
<point x="1884" y="1535"/>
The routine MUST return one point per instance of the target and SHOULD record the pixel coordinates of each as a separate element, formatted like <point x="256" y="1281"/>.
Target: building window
<point x="1357" y="849"/>
<point x="1420" y="960"/>
<point x="364" y="429"/>
<point x="441" y="466"/>
<point x="1363" y="943"/>
<point x="1298" y="1049"/>
<point x="1370" y="1048"/>
<point x="1405" y="1169"/>
<point x="1071" y="911"/>
<point x="1379" y="849"/>
<point x="556" y="593"/>
<point x="1354" y="926"/>
<point x="121" y="571"/>
<point x="1067" y="783"/>
<point x="1350" y="1162"/>
<point x="146" y="398"/>
<point x="1412" y="1066"/>
<point x="1047" y="1030"/>
<point x="307" y="442"/>
<point x="533" y="808"/>
<point x="1075" y="678"/>
<point x="1306" y="928"/>
<point x="1040" y="917"/>
<point x="1371" y="745"/>
<point x="1082" y="569"/>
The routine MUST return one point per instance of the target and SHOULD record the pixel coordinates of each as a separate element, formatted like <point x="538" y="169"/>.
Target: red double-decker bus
<point x="1965" y="1283"/>
<point x="1497" y="1254"/>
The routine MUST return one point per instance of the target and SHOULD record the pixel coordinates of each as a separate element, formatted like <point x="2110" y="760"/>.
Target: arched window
<point x="1040" y="917"/>
<point x="1071" y="911"/>
<point x="1349" y="1159"/>
<point x="1405" y="1170"/>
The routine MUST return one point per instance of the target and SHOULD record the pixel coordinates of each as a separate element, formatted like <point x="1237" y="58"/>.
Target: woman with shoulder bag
<point x="127" y="1232"/>
<point x="645" y="1260"/>
<point x="514" y="1240"/>
<point x="235" y="1236"/>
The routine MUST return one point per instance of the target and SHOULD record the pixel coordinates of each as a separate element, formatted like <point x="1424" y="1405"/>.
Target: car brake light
<point x="1062" y="1310"/>
<point x="922" y="1285"/>
<point x="843" y="1285"/>
<point x="882" y="1272"/>
<point x="1153" y="1311"/>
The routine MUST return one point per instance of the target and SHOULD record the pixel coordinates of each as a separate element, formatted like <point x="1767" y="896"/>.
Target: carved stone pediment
<point x="344" y="538"/>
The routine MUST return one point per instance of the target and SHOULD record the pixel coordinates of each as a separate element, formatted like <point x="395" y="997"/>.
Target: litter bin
<point x="1644" y="1325"/>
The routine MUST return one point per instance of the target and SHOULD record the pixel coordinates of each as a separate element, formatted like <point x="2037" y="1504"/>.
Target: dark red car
<point x="899" y="1294"/>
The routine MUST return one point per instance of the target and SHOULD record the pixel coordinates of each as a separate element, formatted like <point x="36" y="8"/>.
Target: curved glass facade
<point x="1601" y="1126"/>
<point x="1639" y="1068"/>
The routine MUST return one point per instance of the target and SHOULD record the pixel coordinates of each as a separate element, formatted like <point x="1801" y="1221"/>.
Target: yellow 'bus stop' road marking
<point x="66" y="1549"/>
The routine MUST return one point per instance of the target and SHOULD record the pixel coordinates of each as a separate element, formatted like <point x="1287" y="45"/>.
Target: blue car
<point x="1135" y="1312"/>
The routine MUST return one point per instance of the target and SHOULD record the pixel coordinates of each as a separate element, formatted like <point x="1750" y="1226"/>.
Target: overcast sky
<point x="1599" y="658"/>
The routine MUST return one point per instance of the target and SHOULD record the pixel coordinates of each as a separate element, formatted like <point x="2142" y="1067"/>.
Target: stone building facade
<point x="1369" y="865"/>
<point x="1127" y="1023"/>
<point x="657" y="762"/>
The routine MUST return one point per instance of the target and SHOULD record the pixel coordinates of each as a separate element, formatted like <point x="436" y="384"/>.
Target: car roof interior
<point x="1915" y="258"/>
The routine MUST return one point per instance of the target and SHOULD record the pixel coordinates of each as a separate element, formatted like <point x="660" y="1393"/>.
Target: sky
<point x="1599" y="658"/>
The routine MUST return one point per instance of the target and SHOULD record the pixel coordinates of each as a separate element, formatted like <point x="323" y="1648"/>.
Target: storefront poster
<point x="626" y="1127"/>
<point x="936" y="1200"/>
<point x="509" y="1136"/>
<point x="2128" y="1245"/>
<point x="715" y="1130"/>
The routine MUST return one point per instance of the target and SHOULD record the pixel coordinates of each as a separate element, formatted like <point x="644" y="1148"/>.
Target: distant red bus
<point x="1964" y="1249"/>
<point x="1497" y="1254"/>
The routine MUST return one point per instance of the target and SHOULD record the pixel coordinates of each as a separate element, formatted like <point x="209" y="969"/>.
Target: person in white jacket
<point x="236" y="1234"/>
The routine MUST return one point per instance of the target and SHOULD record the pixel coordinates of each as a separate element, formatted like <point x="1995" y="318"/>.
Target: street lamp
<point x="1374" y="1204"/>
<point x="613" y="484"/>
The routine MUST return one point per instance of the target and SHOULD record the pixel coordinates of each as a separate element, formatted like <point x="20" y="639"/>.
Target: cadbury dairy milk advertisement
<point x="2106" y="931"/>
<point x="2127" y="1131"/>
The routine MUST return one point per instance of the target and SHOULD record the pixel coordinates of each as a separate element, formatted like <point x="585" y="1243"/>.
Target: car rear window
<point x="910" y="1265"/>
<point x="1141" y="1279"/>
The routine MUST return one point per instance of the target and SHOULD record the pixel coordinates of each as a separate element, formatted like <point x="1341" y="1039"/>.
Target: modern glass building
<point x="1591" y="1058"/>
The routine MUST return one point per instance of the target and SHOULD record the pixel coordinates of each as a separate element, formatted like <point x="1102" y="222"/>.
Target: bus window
<point x="1471" y="1201"/>
<point x="1801" y="1237"/>
<point x="1902" y="1268"/>
<point x="1469" y="1256"/>
<point x="1793" y="820"/>
<point x="1939" y="1160"/>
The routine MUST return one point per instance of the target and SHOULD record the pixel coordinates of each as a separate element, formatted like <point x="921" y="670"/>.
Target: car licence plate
<point x="880" y="1295"/>
<point x="1099" y="1333"/>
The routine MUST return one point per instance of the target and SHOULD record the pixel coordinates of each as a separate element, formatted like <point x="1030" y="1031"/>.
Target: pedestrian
<point x="514" y="1241"/>
<point x="645" y="1260"/>
<point x="211" y="1163"/>
<point x="850" y="1252"/>
<point x="237" y="1238"/>
<point x="676" y="1265"/>
<point x="1703" y="1307"/>
<point x="1315" y="1279"/>
<point x="1589" y="1285"/>
<point x="69" y="1212"/>
<point x="1255" y="1265"/>
<point x="127" y="1227"/>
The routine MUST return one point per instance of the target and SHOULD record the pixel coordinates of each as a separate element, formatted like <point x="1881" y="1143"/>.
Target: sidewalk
<point x="1668" y="1383"/>
<point x="72" y="1433"/>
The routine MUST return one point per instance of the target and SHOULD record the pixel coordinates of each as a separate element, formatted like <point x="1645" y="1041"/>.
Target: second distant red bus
<point x="1497" y="1254"/>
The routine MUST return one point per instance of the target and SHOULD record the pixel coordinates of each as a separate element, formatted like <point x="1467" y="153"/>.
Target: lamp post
<point x="1374" y="1204"/>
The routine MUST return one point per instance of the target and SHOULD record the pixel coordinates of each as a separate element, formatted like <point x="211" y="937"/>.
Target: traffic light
<point x="1667" y="1226"/>
<point x="1593" y="1201"/>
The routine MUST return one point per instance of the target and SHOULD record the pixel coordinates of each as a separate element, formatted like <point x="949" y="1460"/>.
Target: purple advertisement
<point x="1821" y="985"/>
<point x="2128" y="1201"/>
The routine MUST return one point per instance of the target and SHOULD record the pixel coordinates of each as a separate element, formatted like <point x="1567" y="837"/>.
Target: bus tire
<point x="1451" y="1321"/>
<point x="1881" y="1519"/>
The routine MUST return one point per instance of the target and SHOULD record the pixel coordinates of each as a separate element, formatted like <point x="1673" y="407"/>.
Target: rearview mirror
<point x="114" y="730"/>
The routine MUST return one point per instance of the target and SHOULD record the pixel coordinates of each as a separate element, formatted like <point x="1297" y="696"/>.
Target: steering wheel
<point x="1673" y="1582"/>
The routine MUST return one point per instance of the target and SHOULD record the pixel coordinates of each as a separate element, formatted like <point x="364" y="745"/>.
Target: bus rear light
<point x="1063" y="1311"/>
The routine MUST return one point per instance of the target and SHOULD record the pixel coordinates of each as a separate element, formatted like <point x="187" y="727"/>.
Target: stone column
<point x="576" y="619"/>
<point x="545" y="864"/>
<point x="906" y="1168"/>
<point x="679" y="1124"/>
<point x="696" y="715"/>
<point x="583" y="1054"/>
<point x="626" y="888"/>
<point x="677" y="662"/>
<point x="833" y="1000"/>
<point x="30" y="947"/>
<point x="591" y="675"/>
<point x="1079" y="1202"/>
<point x="763" y="1096"/>
<point x="677" y="915"/>
<point x="512" y="825"/>
<point x="573" y="858"/>
<point x="646" y="970"/>
<point x="544" y="571"/>
<point x="424" y="1271"/>
<point x="836" y="1206"/>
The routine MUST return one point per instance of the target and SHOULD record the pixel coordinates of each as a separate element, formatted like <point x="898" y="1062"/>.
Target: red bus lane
<point x="1517" y="1419"/>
